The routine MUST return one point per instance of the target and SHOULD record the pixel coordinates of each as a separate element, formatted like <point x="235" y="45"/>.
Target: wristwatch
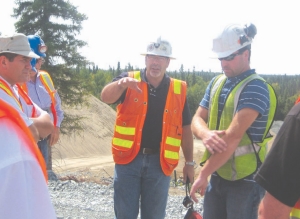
<point x="191" y="163"/>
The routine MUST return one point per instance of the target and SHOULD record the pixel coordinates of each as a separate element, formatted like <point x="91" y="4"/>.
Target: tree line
<point x="59" y="23"/>
<point x="287" y="87"/>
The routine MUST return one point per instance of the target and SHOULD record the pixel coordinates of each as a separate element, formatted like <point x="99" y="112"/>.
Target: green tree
<point x="181" y="72"/>
<point x="58" y="23"/>
<point x="195" y="94"/>
<point x="119" y="70"/>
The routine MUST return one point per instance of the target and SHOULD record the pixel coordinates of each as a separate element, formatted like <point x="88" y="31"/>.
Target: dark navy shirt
<point x="152" y="130"/>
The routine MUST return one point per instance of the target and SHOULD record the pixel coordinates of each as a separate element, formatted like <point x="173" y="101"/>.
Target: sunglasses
<point x="230" y="57"/>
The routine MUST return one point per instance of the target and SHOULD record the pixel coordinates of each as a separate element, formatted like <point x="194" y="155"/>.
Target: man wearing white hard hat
<point x="153" y="122"/>
<point x="23" y="184"/>
<point x="233" y="121"/>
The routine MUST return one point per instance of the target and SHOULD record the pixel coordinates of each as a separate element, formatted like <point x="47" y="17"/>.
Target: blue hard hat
<point x="33" y="62"/>
<point x="37" y="45"/>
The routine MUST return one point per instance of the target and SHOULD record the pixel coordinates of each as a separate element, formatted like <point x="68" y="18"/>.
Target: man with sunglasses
<point x="153" y="122"/>
<point x="233" y="121"/>
<point x="41" y="90"/>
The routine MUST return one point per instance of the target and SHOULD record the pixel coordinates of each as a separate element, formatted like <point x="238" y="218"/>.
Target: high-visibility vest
<point x="8" y="111"/>
<point x="243" y="162"/>
<point x="7" y="89"/>
<point x="49" y="86"/>
<point x="130" y="120"/>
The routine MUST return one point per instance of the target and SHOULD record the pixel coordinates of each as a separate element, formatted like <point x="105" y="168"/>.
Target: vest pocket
<point x="172" y="145"/>
<point x="121" y="152"/>
<point x="124" y="135"/>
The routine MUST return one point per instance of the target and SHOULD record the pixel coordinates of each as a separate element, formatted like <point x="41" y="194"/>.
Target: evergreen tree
<point x="181" y="71"/>
<point x="58" y="23"/>
<point x="119" y="68"/>
<point x="194" y="77"/>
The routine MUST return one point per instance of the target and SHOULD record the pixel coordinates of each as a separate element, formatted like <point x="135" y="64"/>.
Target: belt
<point x="247" y="178"/>
<point x="149" y="151"/>
<point x="42" y="139"/>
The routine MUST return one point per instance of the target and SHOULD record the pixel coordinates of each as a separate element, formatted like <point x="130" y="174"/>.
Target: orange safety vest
<point x="130" y="120"/>
<point x="8" y="111"/>
<point x="7" y="89"/>
<point x="49" y="86"/>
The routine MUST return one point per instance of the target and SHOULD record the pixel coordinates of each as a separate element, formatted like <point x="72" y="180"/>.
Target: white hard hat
<point x="17" y="44"/>
<point x="233" y="38"/>
<point x="159" y="48"/>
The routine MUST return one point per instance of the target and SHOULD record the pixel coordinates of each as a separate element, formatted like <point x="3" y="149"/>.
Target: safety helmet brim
<point x="232" y="39"/>
<point x="159" y="48"/>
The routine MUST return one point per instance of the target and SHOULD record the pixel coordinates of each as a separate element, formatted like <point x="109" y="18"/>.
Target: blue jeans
<point x="232" y="200"/>
<point x="43" y="146"/>
<point x="141" y="182"/>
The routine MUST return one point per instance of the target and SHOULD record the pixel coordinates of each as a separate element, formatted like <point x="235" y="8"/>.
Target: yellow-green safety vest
<point x="243" y="161"/>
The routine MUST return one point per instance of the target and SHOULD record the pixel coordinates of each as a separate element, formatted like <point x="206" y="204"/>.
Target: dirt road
<point x="105" y="163"/>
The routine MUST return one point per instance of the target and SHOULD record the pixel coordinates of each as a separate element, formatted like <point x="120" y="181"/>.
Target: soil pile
<point x="90" y="150"/>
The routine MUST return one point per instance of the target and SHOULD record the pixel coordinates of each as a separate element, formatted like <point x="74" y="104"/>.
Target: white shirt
<point x="27" y="109"/>
<point x="23" y="189"/>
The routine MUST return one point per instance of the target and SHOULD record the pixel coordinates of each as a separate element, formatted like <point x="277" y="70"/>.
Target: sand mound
<point x="95" y="139"/>
<point x="91" y="148"/>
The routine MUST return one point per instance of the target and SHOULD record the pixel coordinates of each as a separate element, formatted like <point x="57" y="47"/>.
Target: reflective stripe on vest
<point x="246" y="149"/>
<point x="27" y="99"/>
<point x="125" y="131"/>
<point x="8" y="111"/>
<point x="130" y="120"/>
<point x="175" y="143"/>
<point x="48" y="84"/>
<point x="235" y="167"/>
<point x="122" y="142"/>
<point x="6" y="88"/>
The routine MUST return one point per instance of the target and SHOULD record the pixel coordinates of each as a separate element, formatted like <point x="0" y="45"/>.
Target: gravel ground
<point x="87" y="200"/>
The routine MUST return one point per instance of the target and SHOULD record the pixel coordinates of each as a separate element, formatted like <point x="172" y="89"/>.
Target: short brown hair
<point x="248" y="47"/>
<point x="9" y="56"/>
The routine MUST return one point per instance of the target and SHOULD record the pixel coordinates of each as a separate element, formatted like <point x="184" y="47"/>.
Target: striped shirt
<point x="40" y="96"/>
<point x="255" y="95"/>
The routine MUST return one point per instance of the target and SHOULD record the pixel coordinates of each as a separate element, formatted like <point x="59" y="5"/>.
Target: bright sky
<point x="119" y="30"/>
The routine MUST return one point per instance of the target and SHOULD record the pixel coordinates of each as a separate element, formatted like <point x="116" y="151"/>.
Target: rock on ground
<point x="87" y="200"/>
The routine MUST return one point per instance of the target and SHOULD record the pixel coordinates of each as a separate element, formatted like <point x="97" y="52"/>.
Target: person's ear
<point x="3" y="61"/>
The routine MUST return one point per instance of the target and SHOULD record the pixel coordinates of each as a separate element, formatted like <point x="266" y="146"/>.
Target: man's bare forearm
<point x="271" y="208"/>
<point x="43" y="124"/>
<point x="199" y="127"/>
<point x="199" y="121"/>
<point x="34" y="132"/>
<point x="112" y="92"/>
<point x="232" y="136"/>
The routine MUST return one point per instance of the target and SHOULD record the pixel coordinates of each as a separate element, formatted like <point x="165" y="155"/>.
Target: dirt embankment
<point x="91" y="149"/>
